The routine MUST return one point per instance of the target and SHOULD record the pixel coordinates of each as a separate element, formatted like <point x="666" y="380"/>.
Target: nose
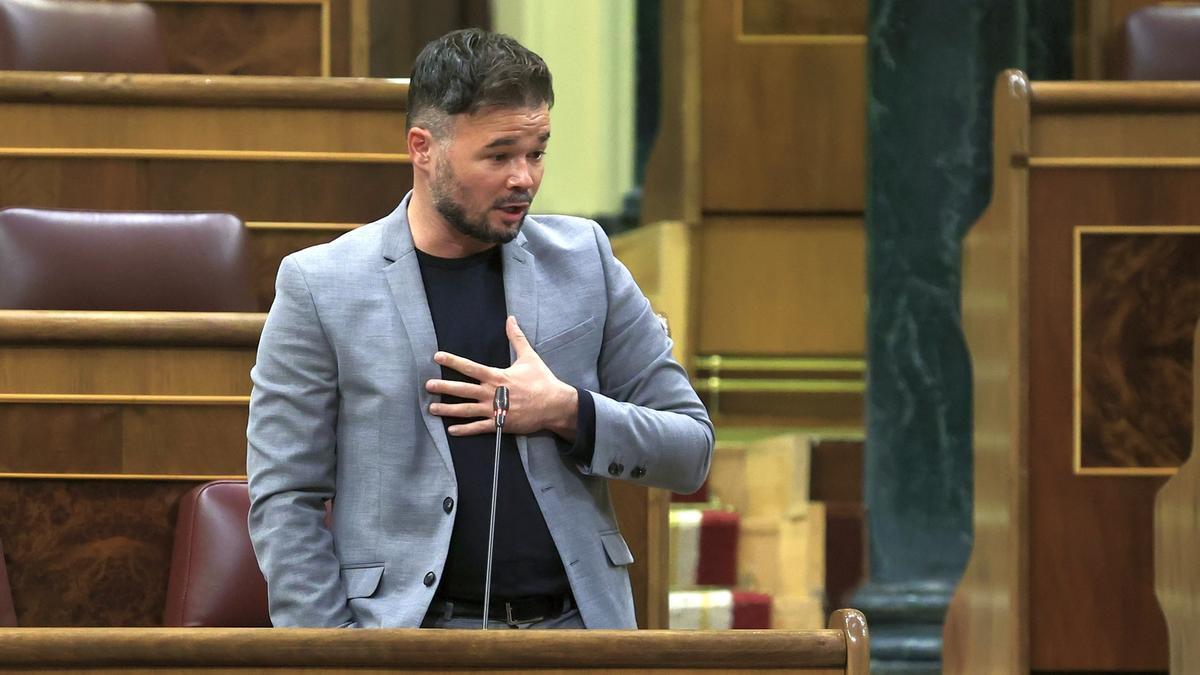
<point x="520" y="178"/>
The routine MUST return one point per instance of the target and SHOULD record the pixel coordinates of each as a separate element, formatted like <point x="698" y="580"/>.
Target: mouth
<point x="513" y="211"/>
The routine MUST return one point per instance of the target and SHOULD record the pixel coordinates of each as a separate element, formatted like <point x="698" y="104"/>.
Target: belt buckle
<point x="508" y="612"/>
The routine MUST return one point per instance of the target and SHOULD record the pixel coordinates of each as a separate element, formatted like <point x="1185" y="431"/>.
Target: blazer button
<point x="615" y="469"/>
<point x="430" y="578"/>
<point x="447" y="505"/>
<point x="638" y="471"/>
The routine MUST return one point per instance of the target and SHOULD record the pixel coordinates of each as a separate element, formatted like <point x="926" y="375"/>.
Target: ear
<point x="421" y="147"/>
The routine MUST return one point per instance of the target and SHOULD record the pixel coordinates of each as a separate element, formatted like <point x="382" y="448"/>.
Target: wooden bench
<point x="1077" y="314"/>
<point x="107" y="418"/>
<point x="300" y="159"/>
<point x="843" y="648"/>
<point x="1177" y="547"/>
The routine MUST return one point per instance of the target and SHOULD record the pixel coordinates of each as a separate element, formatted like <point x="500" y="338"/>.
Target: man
<point x="380" y="357"/>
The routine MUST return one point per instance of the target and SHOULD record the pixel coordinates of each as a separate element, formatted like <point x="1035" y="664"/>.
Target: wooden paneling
<point x="123" y="439"/>
<point x="400" y="28"/>
<point x="642" y="515"/>
<point x="1177" y="547"/>
<point x="659" y="258"/>
<point x="782" y="286"/>
<point x="1128" y="139"/>
<point x="783" y="119"/>
<point x="1078" y="521"/>
<point x="804" y="17"/>
<point x="179" y="371"/>
<point x="73" y="405"/>
<point x="67" y="128"/>
<point x="986" y="627"/>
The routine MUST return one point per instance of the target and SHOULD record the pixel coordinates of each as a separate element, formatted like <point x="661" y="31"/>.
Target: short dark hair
<point x="470" y="69"/>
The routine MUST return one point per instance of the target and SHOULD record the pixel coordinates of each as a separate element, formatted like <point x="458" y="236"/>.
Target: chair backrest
<point x="111" y="37"/>
<point x="124" y="261"/>
<point x="1161" y="42"/>
<point x="215" y="580"/>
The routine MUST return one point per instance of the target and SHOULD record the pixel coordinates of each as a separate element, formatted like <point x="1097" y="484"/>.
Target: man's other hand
<point x="537" y="400"/>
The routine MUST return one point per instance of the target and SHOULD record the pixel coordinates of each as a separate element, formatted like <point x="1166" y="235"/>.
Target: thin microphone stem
<point x="500" y="407"/>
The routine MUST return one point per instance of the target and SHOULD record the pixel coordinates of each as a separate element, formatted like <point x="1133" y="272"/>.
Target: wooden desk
<point x="1177" y="548"/>
<point x="300" y="159"/>
<point x="107" y="418"/>
<point x="1080" y="292"/>
<point x="843" y="648"/>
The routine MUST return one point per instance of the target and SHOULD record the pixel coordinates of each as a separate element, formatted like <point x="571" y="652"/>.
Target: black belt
<point x="513" y="612"/>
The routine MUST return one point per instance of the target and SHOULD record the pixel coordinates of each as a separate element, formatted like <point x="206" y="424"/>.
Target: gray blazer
<point x="339" y="412"/>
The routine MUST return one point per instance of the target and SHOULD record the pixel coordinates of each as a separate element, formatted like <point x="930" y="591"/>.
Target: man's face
<point x="486" y="174"/>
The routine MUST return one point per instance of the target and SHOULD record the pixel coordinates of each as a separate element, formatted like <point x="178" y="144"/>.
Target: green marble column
<point x="932" y="64"/>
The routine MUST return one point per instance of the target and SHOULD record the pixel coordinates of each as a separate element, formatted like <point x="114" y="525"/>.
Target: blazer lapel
<point x="403" y="276"/>
<point x="520" y="295"/>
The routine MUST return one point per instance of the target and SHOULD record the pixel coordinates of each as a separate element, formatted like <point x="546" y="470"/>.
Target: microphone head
<point x="500" y="405"/>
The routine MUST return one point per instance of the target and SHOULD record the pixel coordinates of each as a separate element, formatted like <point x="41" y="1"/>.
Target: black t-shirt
<point x="466" y="299"/>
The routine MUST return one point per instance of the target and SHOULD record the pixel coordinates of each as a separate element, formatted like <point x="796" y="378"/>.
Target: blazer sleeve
<point x="651" y="427"/>
<point x="290" y="459"/>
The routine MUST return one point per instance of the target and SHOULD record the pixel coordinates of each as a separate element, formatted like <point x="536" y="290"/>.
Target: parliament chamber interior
<point x="933" y="269"/>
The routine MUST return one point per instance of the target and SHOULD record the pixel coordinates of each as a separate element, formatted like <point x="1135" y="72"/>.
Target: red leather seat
<point x="114" y="37"/>
<point x="215" y="580"/>
<point x="124" y="261"/>
<point x="1161" y="42"/>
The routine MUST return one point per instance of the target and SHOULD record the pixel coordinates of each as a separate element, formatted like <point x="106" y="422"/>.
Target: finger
<point x="465" y="366"/>
<point x="468" y="390"/>
<point x="464" y="410"/>
<point x="516" y="337"/>
<point x="473" y="429"/>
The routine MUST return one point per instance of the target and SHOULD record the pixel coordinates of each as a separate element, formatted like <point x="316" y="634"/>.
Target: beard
<point x="445" y="190"/>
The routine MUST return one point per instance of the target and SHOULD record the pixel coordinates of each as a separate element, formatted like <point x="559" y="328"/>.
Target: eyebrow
<point x="505" y="141"/>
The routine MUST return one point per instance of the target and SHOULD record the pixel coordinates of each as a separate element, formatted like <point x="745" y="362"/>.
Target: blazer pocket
<point x="616" y="548"/>
<point x="565" y="337"/>
<point x="361" y="582"/>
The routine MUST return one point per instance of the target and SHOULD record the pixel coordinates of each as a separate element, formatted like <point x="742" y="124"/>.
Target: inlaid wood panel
<point x="88" y="553"/>
<point x="1108" y="617"/>
<point x="1138" y="301"/>
<point x="783" y="120"/>
<point x="245" y="38"/>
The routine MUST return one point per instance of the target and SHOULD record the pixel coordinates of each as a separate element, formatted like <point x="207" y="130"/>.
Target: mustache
<point x="516" y="199"/>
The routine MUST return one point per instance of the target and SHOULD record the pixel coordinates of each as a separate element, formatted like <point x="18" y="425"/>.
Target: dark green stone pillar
<point x="932" y="64"/>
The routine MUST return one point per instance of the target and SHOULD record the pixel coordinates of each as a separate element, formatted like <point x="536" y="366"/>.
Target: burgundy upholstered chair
<point x="124" y="261"/>
<point x="1160" y="42"/>
<point x="114" y="37"/>
<point x="215" y="580"/>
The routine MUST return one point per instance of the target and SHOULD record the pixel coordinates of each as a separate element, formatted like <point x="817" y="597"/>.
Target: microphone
<point x="500" y="405"/>
<point x="500" y="410"/>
